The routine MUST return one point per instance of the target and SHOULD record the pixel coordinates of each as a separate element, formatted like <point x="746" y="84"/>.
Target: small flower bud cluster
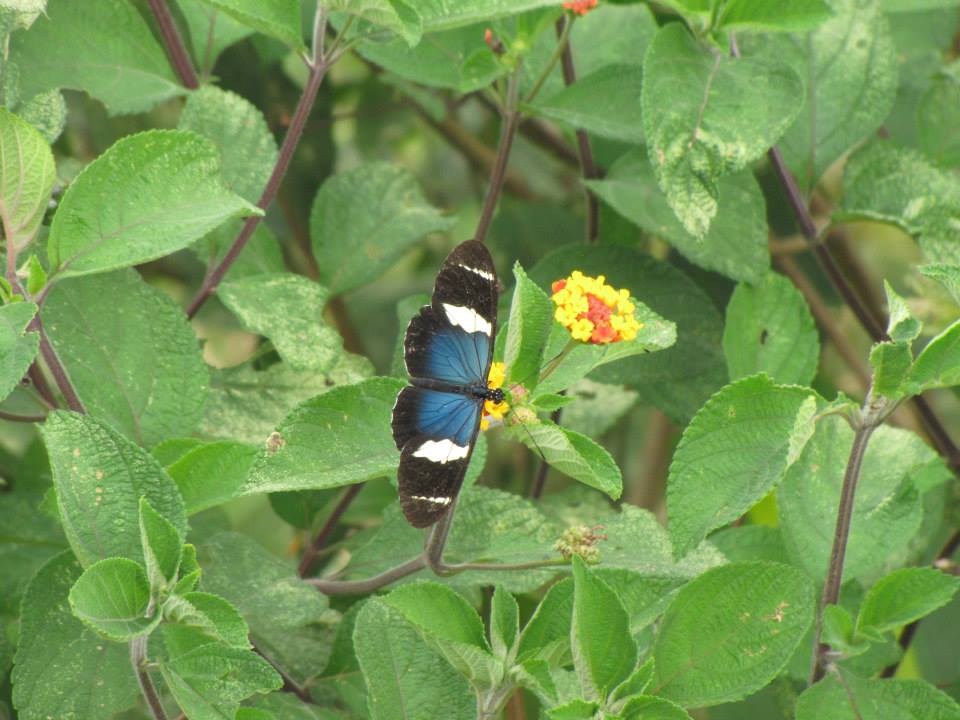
<point x="593" y="311"/>
<point x="580" y="540"/>
<point x="494" y="411"/>
<point x="580" y="7"/>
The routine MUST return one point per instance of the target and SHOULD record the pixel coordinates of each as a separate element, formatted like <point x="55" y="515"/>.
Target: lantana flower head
<point x="593" y="311"/>
<point x="580" y="7"/>
<point x="494" y="412"/>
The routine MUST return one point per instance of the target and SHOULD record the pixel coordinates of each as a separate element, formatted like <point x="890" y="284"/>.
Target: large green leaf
<point x="162" y="548"/>
<point x="404" y="677"/>
<point x="212" y="474"/>
<point x="112" y="54"/>
<point x="18" y="348"/>
<point x="531" y="314"/>
<point x="27" y="173"/>
<point x="210" y="30"/>
<point x="363" y="219"/>
<point x="858" y="699"/>
<point x="131" y="354"/>
<point x="288" y="309"/>
<point x="850" y="67"/>
<point x="338" y="438"/>
<point x="443" y="14"/>
<point x="100" y="477"/>
<point x="59" y="660"/>
<point x="148" y="195"/>
<point x="113" y="597"/>
<point x="679" y="379"/>
<point x="279" y="19"/>
<point x="770" y="329"/>
<point x="394" y="15"/>
<point x="939" y="105"/>
<point x="247" y="149"/>
<point x="734" y="452"/>
<point x="756" y="613"/>
<point x="887" y="510"/>
<point x="706" y="116"/>
<point x="939" y="363"/>
<point x="905" y="595"/>
<point x="735" y="244"/>
<point x="785" y="16"/>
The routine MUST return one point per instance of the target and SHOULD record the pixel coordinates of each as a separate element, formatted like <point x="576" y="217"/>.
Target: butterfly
<point x="448" y="349"/>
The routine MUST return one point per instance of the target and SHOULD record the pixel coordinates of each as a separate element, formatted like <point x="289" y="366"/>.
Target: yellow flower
<point x="594" y="311"/>
<point x="492" y="410"/>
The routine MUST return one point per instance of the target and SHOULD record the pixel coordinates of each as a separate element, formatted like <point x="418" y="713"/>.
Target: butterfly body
<point x="448" y="349"/>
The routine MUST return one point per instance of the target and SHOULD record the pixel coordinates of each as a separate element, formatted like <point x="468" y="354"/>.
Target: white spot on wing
<point x="477" y="271"/>
<point x="467" y="318"/>
<point x="434" y="500"/>
<point x="441" y="451"/>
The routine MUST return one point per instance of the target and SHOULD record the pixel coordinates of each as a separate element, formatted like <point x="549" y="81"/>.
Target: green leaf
<point x="899" y="186"/>
<point x="636" y="684"/>
<point x="27" y="173"/>
<point x="209" y="681"/>
<point x="887" y="510"/>
<point x="850" y="67"/>
<point x="402" y="673"/>
<point x="754" y="612"/>
<point x="605" y="103"/>
<point x="279" y="19"/>
<point x="531" y="315"/>
<point x="504" y="622"/>
<point x="18" y="348"/>
<point x="162" y="547"/>
<point x="113" y="597"/>
<point x="246" y="405"/>
<point x="442" y="15"/>
<point x="165" y="191"/>
<point x="706" y="116"/>
<point x="47" y="112"/>
<point x="338" y="438"/>
<point x="100" y="477"/>
<point x="652" y="708"/>
<point x="59" y="659"/>
<point x="393" y="15"/>
<point x="735" y="244"/>
<point x="947" y="275"/>
<point x="211" y="31"/>
<point x="37" y="277"/>
<point x="573" y="710"/>
<point x="189" y="570"/>
<point x="288" y="309"/>
<point x="19" y="14"/>
<point x="131" y="354"/>
<point x="546" y="636"/>
<point x="573" y="454"/>
<point x="891" y="365"/>
<point x="898" y="6"/>
<point x="901" y="326"/>
<point x="677" y="380"/>
<point x="905" y="595"/>
<point x="604" y="653"/>
<point x="733" y="453"/>
<point x="769" y="329"/>
<point x="939" y="363"/>
<point x="938" y="106"/>
<point x="210" y="475"/>
<point x="887" y="699"/>
<point x="248" y="151"/>
<point x="195" y="618"/>
<point x="838" y="628"/>
<point x="113" y="56"/>
<point x="364" y="219"/>
<point x="760" y="16"/>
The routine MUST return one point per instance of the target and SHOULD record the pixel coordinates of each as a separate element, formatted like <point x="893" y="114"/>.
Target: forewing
<point x="466" y="289"/>
<point x="434" y="348"/>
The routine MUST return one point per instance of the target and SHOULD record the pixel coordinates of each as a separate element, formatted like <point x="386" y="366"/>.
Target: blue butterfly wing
<point x="435" y="415"/>
<point x="437" y="350"/>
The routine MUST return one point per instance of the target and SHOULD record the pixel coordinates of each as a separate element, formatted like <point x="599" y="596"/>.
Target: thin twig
<point x="138" y="658"/>
<point x="57" y="370"/>
<point x="327" y="530"/>
<point x="174" y="44"/>
<point x="317" y="72"/>
<point x="14" y="417"/>
<point x="289" y="684"/>
<point x="536" y="490"/>
<point x="511" y="116"/>
<point x="41" y="385"/>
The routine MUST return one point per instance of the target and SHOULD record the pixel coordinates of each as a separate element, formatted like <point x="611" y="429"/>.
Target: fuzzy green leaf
<point x="162" y="547"/>
<point x="113" y="597"/>
<point x="604" y="653"/>
<point x="338" y="438"/>
<point x="211" y="30"/>
<point x="363" y="219"/>
<point x="196" y="618"/>
<point x="733" y="453"/>
<point x="735" y="244"/>
<point x="947" y="275"/>
<point x="100" y="477"/>
<point x="905" y="595"/>
<point x="646" y="707"/>
<point x="856" y="699"/>
<point x="706" y="116"/>
<point x="891" y="364"/>
<point x="395" y="15"/>
<point x="443" y="14"/>
<point x="131" y="354"/>
<point x="59" y="659"/>
<point x="18" y="348"/>
<point x="148" y="195"/>
<point x="770" y="329"/>
<point x="531" y="315"/>
<point x="288" y="309"/>
<point x="504" y="622"/>
<point x="935" y="128"/>
<point x="788" y="16"/>
<point x="939" y="363"/>
<point x="113" y="56"/>
<point x="849" y="65"/>
<point x="574" y="710"/>
<point x="210" y="475"/>
<point x="27" y="173"/>
<point x="754" y="612"/>
<point x="279" y="19"/>
<point x="901" y="326"/>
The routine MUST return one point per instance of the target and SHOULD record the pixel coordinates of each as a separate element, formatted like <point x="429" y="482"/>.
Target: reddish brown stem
<point x="174" y="44"/>
<point x="320" y="541"/>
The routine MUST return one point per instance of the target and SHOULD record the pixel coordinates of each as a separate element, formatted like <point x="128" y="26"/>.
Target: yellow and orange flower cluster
<point x="593" y="311"/>
<point x="494" y="411"/>
<point x="580" y="7"/>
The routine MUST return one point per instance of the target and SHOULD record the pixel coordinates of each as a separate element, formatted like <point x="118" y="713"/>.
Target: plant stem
<point x="317" y="72"/>
<point x="540" y="480"/>
<point x="588" y="167"/>
<point x="14" y="417"/>
<point x="511" y="117"/>
<point x="138" y="658"/>
<point x="327" y="530"/>
<point x="871" y="417"/>
<point x="174" y="44"/>
<point x="58" y="371"/>
<point x="563" y="35"/>
<point x="289" y="684"/>
<point x="365" y="587"/>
